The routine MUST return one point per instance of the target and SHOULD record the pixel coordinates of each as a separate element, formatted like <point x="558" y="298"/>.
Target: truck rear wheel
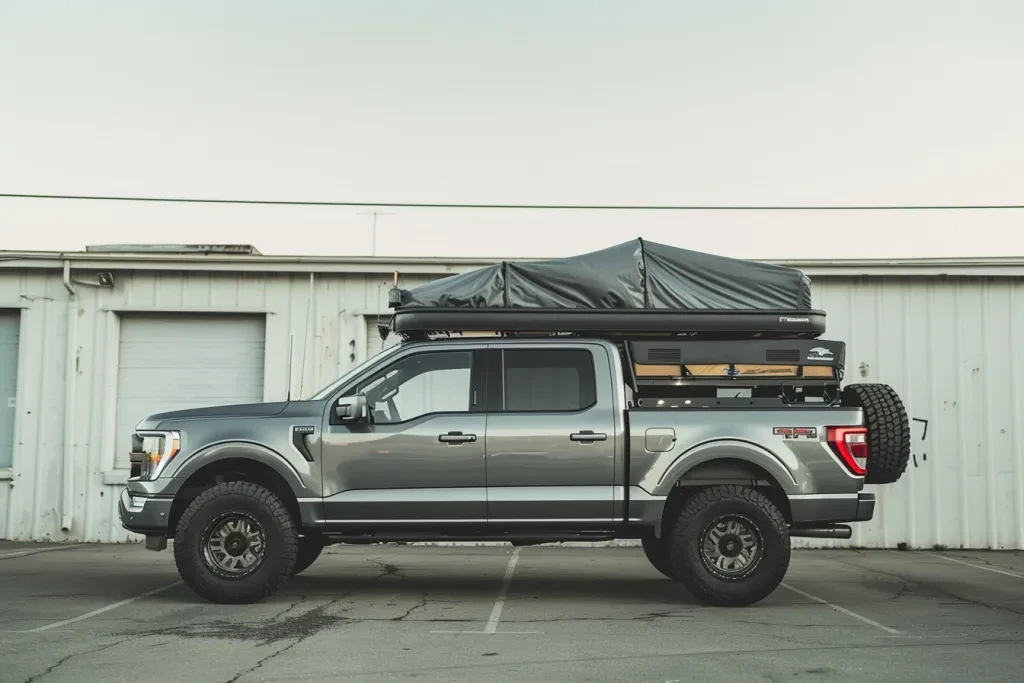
<point x="888" y="430"/>
<point x="729" y="546"/>
<point x="235" y="543"/>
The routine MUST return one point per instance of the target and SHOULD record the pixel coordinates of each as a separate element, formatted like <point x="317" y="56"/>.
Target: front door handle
<point x="456" y="437"/>
<point x="587" y="435"/>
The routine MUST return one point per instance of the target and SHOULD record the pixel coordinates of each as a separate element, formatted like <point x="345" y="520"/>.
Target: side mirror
<point x="352" y="408"/>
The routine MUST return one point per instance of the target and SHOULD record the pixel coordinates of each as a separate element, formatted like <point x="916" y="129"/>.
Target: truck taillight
<point x="851" y="445"/>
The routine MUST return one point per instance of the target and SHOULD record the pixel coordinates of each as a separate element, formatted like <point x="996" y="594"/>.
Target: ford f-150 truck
<point x="641" y="391"/>
<point x="711" y="453"/>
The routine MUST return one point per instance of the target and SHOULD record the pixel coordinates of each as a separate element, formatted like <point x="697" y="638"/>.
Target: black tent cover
<point x="634" y="274"/>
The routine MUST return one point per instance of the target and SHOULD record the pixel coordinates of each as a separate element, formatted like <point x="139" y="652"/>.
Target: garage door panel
<point x="180" y="362"/>
<point x="170" y="356"/>
<point x="171" y="383"/>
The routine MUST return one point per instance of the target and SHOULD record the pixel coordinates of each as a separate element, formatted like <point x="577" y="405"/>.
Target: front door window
<point x="419" y="385"/>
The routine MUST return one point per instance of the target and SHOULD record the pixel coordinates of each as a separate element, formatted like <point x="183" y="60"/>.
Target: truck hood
<point x="214" y="412"/>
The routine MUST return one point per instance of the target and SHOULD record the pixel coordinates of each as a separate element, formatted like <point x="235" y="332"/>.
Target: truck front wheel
<point x="729" y="546"/>
<point x="236" y="543"/>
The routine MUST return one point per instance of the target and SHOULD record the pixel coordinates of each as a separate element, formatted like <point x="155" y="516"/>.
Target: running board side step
<point x="516" y="539"/>
<point x="825" y="531"/>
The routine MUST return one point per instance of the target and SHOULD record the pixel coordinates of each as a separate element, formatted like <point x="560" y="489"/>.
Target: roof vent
<point x="230" y="249"/>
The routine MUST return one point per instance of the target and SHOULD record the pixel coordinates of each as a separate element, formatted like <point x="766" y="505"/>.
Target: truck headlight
<point x="151" y="451"/>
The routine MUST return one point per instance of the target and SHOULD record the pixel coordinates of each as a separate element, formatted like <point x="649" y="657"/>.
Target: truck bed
<point x="785" y="448"/>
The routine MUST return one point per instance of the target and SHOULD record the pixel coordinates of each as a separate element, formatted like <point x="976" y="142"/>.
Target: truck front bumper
<point x="144" y="514"/>
<point x="832" y="508"/>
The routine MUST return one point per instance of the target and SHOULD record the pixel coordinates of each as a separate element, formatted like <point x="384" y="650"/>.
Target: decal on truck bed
<point x="797" y="432"/>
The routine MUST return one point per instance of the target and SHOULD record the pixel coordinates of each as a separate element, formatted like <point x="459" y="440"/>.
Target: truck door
<point x="551" y="441"/>
<point x="420" y="456"/>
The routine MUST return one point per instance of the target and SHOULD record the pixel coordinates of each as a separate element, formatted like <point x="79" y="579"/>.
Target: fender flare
<point x="245" y="450"/>
<point x="726" y="449"/>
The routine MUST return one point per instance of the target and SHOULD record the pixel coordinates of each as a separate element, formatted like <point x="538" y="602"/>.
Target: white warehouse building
<point x="91" y="342"/>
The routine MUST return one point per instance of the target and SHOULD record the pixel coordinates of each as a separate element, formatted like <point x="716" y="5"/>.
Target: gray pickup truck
<point x="639" y="392"/>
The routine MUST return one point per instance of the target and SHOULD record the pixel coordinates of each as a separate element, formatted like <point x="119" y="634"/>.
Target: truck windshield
<point x="330" y="388"/>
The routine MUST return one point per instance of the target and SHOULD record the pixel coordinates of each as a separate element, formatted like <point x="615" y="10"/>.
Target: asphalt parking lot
<point x="386" y="613"/>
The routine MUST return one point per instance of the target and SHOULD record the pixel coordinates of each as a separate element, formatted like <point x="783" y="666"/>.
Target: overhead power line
<point x="578" y="207"/>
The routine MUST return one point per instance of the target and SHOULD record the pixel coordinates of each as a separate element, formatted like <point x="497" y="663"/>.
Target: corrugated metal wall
<point x="950" y="348"/>
<point x="947" y="345"/>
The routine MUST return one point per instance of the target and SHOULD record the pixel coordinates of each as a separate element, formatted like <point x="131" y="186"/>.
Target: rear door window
<point x="548" y="380"/>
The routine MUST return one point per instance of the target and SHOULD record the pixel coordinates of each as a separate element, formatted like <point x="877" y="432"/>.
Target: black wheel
<point x="309" y="549"/>
<point x="656" y="550"/>
<point x="235" y="543"/>
<point x="888" y="430"/>
<point x="729" y="546"/>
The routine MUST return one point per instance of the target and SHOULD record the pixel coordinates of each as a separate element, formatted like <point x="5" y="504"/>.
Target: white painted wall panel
<point x="947" y="345"/>
<point x="10" y="327"/>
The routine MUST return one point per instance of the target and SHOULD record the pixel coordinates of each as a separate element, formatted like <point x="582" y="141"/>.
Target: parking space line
<point x="843" y="610"/>
<point x="490" y="633"/>
<point x="101" y="610"/>
<point x="499" y="604"/>
<point x="977" y="566"/>
<point x="36" y="551"/>
<point x="492" y="623"/>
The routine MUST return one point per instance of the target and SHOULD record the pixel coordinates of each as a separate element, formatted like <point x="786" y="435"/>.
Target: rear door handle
<point x="456" y="437"/>
<point x="587" y="435"/>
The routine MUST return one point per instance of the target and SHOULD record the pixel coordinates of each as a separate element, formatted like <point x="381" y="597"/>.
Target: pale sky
<point x="525" y="101"/>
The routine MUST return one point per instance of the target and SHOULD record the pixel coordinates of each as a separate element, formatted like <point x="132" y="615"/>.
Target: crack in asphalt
<point x="422" y="603"/>
<point x="286" y="625"/>
<point x="904" y="583"/>
<point x="313" y="622"/>
<point x="387" y="569"/>
<point x="65" y="659"/>
<point x="931" y="590"/>
<point x="263" y="661"/>
<point x="648" y="656"/>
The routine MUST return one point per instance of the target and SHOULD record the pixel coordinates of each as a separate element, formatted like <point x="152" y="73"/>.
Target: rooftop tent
<point x="633" y="275"/>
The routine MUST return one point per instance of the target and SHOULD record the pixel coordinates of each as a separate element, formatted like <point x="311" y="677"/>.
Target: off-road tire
<point x="656" y="550"/>
<point x="698" y="514"/>
<point x="310" y="548"/>
<point x="257" y="505"/>
<point x="888" y="430"/>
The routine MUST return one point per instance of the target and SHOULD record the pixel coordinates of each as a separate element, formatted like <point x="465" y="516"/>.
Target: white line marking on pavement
<point x="489" y="633"/>
<point x="843" y="610"/>
<point x="492" y="623"/>
<point x="101" y="610"/>
<point x="35" y="551"/>
<point x="977" y="566"/>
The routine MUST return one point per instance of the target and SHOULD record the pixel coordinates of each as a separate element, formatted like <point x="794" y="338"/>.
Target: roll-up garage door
<point x="173" y="362"/>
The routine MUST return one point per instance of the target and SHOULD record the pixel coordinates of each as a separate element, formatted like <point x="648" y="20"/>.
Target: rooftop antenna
<point x="375" y="213"/>
<point x="291" y="353"/>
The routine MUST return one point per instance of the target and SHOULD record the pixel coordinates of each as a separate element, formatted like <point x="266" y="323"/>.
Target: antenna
<point x="305" y="337"/>
<point x="373" y="248"/>
<point x="291" y="346"/>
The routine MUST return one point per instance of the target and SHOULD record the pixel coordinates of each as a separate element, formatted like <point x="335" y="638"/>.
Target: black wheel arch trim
<point x="717" y="451"/>
<point x="246" y="450"/>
